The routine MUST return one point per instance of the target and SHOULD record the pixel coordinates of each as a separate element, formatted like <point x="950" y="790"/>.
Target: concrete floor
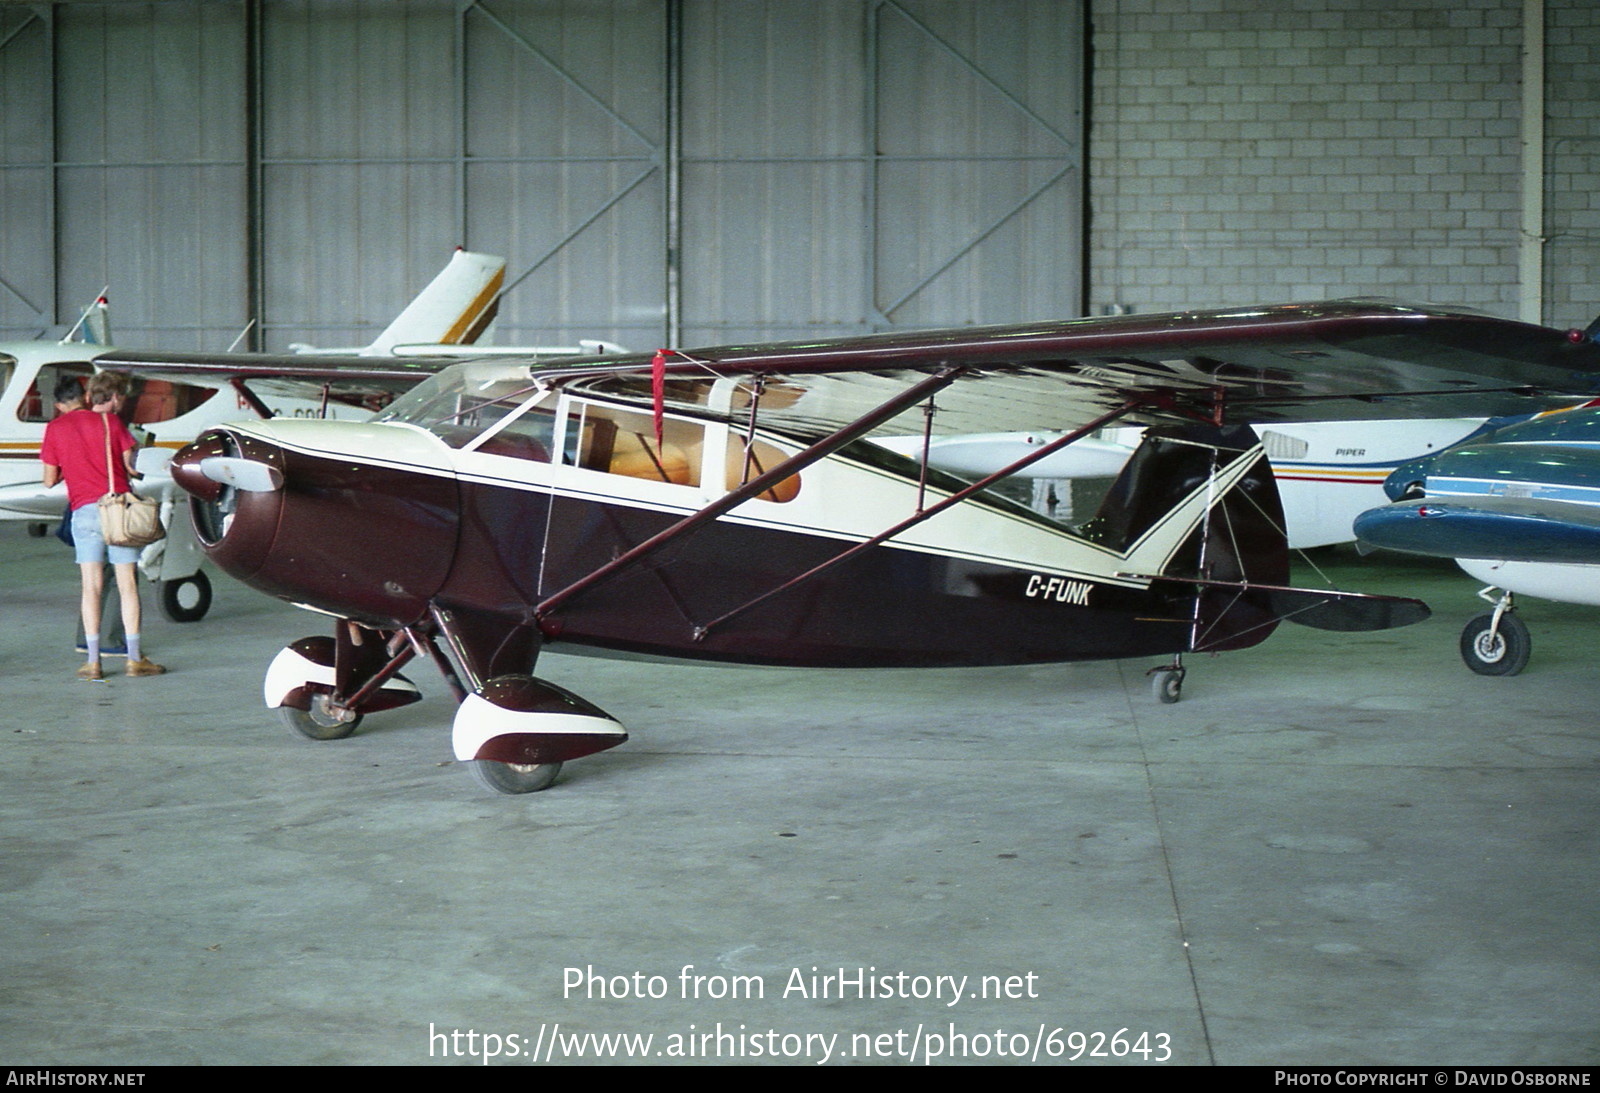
<point x="1337" y="849"/>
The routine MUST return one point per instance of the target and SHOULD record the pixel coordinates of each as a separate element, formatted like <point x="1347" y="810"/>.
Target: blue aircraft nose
<point x="1409" y="479"/>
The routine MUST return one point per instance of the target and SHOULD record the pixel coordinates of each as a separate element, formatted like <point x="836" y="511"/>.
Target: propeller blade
<point x="242" y="474"/>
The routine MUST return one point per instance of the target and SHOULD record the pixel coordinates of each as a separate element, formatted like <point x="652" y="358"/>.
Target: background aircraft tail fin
<point x="455" y="308"/>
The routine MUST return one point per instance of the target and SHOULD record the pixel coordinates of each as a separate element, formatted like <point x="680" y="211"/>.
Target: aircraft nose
<point x="234" y="523"/>
<point x="303" y="511"/>
<point x="186" y="466"/>
<point x="211" y="464"/>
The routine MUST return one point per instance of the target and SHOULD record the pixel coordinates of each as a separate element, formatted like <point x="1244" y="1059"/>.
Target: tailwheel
<point x="323" y="721"/>
<point x="514" y="777"/>
<point x="1166" y="683"/>
<point x="1496" y="650"/>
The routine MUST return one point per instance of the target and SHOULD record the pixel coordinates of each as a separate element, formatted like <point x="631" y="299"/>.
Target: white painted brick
<point x="1332" y="147"/>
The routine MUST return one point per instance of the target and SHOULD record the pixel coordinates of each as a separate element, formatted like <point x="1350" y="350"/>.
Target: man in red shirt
<point x="76" y="446"/>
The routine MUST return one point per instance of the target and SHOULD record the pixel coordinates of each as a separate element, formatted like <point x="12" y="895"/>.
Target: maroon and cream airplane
<point x="723" y="505"/>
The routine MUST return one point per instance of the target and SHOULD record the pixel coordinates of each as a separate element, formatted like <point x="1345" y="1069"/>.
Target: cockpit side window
<point x="760" y="459"/>
<point x="152" y="401"/>
<point x="624" y="442"/>
<point x="38" y="404"/>
<point x="529" y="436"/>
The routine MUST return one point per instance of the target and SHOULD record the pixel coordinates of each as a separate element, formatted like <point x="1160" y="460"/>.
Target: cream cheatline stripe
<point x="1154" y="550"/>
<point x="1145" y="558"/>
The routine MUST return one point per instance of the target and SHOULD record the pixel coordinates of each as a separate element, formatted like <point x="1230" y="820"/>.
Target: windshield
<point x="461" y="402"/>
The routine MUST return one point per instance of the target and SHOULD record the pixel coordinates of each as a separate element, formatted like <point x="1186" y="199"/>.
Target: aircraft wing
<point x="1344" y="360"/>
<point x="354" y="379"/>
<point x="1515" y="529"/>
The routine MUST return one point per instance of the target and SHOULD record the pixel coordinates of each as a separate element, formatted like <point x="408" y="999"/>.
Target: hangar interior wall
<point x="842" y="164"/>
<point x="1262" y="150"/>
<point x="704" y="170"/>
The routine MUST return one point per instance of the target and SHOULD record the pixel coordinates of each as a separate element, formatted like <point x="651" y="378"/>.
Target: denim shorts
<point x="88" y="544"/>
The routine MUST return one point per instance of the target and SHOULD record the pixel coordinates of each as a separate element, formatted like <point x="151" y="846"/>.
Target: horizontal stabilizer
<point x="1346" y="611"/>
<point x="1323" y="609"/>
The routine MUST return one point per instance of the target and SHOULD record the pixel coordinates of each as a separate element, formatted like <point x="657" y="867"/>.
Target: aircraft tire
<point x="514" y="777"/>
<point x="1167" y="685"/>
<point x="1503" y="653"/>
<point x="186" y="599"/>
<point x="317" y="723"/>
<point x="37" y="530"/>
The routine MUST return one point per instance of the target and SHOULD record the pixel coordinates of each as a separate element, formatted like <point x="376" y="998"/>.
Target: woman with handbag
<point x="93" y="451"/>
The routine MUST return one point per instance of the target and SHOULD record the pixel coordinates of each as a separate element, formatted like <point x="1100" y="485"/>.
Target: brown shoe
<point x="144" y="666"/>
<point x="90" y="671"/>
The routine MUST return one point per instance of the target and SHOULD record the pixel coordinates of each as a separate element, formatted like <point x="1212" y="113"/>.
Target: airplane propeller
<point x="243" y="474"/>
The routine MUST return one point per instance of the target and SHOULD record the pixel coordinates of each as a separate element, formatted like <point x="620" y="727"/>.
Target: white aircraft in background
<point x="443" y="320"/>
<point x="1328" y="472"/>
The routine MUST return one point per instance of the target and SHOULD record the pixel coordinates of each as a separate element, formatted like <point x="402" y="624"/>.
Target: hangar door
<point x="657" y="171"/>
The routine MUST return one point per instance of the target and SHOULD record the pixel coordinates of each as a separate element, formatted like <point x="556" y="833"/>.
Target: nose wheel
<point x="1496" y="643"/>
<point x="184" y="599"/>
<point x="1492" y="650"/>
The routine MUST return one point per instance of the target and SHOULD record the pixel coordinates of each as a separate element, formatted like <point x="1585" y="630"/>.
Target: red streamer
<point x="658" y="389"/>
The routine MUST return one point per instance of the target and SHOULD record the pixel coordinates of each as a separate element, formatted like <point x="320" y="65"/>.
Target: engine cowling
<point x="362" y="522"/>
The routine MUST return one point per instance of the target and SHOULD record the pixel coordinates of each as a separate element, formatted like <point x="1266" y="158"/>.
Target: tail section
<point x="1197" y="506"/>
<point x="1196" y="510"/>
<point x="455" y="308"/>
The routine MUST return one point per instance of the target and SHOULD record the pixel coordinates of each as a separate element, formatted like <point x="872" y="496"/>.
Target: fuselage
<point x="1329" y="472"/>
<point x="471" y="498"/>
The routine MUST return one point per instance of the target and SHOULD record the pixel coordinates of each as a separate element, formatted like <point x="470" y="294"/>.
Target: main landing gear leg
<point x="322" y="686"/>
<point x="1496" y="643"/>
<point x="1166" y="682"/>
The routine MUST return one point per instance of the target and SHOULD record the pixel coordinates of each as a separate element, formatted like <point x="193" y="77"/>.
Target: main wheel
<point x="1501" y="652"/>
<point x="319" y="722"/>
<point x="186" y="599"/>
<point x="514" y="777"/>
<point x="1167" y="684"/>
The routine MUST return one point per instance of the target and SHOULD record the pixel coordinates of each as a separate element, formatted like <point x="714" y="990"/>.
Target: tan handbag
<point x="126" y="519"/>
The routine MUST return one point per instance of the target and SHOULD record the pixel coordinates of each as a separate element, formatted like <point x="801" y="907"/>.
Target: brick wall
<point x="1264" y="150"/>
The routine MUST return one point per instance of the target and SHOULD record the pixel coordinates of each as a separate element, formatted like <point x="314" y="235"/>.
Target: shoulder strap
<point x="111" y="478"/>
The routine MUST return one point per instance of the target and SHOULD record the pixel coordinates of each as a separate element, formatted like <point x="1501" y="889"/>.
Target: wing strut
<point x="753" y="488"/>
<point x="238" y="384"/>
<point x="925" y="513"/>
